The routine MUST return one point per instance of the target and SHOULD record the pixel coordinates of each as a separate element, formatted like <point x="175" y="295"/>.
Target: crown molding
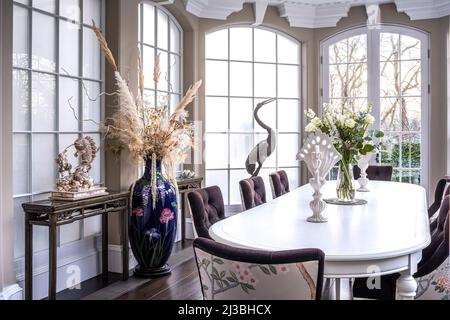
<point x="424" y="9"/>
<point x="213" y="9"/>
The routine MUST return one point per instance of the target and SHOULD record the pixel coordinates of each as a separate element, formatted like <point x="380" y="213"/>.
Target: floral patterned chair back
<point x="228" y="273"/>
<point x="279" y="182"/>
<point x="253" y="192"/>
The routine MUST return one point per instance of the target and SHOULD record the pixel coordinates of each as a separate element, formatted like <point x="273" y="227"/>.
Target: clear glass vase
<point x="345" y="187"/>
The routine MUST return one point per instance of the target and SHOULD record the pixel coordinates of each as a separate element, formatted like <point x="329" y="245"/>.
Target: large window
<point x="161" y="34"/>
<point x="57" y="74"/>
<point x="245" y="66"/>
<point x="388" y="68"/>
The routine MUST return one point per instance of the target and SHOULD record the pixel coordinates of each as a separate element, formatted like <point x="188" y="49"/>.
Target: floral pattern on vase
<point x="152" y="229"/>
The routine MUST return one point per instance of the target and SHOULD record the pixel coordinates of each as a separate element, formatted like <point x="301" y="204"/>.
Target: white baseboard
<point x="14" y="292"/>
<point x="115" y="259"/>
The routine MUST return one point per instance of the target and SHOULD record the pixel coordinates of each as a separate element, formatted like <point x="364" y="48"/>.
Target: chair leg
<point x="338" y="289"/>
<point x="350" y="282"/>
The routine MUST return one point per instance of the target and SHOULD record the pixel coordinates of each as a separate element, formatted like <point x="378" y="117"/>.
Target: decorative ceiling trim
<point x="260" y="8"/>
<point x="424" y="9"/>
<point x="312" y="16"/>
<point x="214" y="9"/>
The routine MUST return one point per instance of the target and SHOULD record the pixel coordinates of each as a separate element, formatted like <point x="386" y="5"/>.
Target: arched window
<point x="388" y="68"/>
<point x="244" y="66"/>
<point x="160" y="33"/>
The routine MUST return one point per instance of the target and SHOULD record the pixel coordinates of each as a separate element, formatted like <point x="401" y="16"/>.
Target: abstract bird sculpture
<point x="265" y="148"/>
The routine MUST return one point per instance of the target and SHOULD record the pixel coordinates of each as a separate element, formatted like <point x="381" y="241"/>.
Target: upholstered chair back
<point x="253" y="192"/>
<point x="279" y="182"/>
<point x="228" y="273"/>
<point x="375" y="172"/>
<point x="207" y="208"/>
<point x="439" y="194"/>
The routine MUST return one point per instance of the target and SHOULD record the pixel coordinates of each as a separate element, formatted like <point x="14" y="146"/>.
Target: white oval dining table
<point x="384" y="236"/>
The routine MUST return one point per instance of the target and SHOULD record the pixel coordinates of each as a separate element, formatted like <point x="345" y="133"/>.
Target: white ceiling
<point x="312" y="13"/>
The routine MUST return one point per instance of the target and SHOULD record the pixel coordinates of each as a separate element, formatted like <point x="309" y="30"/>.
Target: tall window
<point x="388" y="68"/>
<point x="55" y="52"/>
<point x="161" y="34"/>
<point x="245" y="66"/>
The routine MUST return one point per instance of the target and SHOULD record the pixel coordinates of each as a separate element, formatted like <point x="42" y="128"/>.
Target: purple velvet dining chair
<point x="279" y="183"/>
<point x="253" y="192"/>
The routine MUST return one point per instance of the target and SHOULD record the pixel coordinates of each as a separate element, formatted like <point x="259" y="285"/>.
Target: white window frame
<point x="373" y="75"/>
<point x="228" y="96"/>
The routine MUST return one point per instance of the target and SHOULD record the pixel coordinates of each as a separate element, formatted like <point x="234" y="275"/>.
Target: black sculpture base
<point x="152" y="272"/>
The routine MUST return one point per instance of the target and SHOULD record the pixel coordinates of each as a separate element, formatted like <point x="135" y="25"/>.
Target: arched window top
<point x="161" y="34"/>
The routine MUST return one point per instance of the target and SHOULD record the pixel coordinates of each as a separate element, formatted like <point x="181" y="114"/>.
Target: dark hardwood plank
<point x="186" y="289"/>
<point x="155" y="286"/>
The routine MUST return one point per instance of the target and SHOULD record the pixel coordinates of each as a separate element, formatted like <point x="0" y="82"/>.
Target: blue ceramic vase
<point x="152" y="224"/>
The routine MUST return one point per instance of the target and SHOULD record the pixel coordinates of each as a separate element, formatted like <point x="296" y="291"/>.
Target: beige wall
<point x="437" y="28"/>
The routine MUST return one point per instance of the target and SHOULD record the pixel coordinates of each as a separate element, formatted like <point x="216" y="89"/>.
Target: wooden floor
<point x="182" y="284"/>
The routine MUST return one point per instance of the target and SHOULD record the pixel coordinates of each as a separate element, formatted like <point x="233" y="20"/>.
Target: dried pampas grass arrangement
<point x="147" y="131"/>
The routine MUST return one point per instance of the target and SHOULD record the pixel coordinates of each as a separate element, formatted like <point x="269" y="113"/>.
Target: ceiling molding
<point x="213" y="9"/>
<point x="424" y="9"/>
<point x="313" y="13"/>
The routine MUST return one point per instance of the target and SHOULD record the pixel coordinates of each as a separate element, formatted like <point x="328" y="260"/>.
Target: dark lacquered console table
<point x="184" y="187"/>
<point x="53" y="214"/>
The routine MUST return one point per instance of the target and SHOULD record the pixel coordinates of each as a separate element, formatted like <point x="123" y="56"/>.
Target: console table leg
<point x="125" y="248"/>
<point x="105" y="268"/>
<point x="406" y="287"/>
<point x="52" y="264"/>
<point x="28" y="258"/>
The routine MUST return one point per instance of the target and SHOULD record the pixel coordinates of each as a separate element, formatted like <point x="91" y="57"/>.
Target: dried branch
<point x="104" y="46"/>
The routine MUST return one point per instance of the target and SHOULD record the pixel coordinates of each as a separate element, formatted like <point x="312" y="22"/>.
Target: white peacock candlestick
<point x="320" y="156"/>
<point x="363" y="164"/>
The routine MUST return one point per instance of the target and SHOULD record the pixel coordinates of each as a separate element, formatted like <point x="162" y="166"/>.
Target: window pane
<point x="390" y="78"/>
<point x="96" y="172"/>
<point x="357" y="48"/>
<point x="163" y="30"/>
<point x="218" y="178"/>
<point x="174" y="101"/>
<point x="217" y="45"/>
<point x="175" y="38"/>
<point x="71" y="9"/>
<point x="389" y="47"/>
<point x="92" y="107"/>
<point x="267" y="115"/>
<point x="69" y="48"/>
<point x="265" y="80"/>
<point x="149" y="24"/>
<point x="288" y="115"/>
<point x="240" y="147"/>
<point x="411" y="78"/>
<point x="235" y="177"/>
<point x="92" y="10"/>
<point x="338" y="52"/>
<point x="288" y="50"/>
<point x="288" y="81"/>
<point x="390" y="114"/>
<point x="265" y="46"/>
<point x="21" y="164"/>
<point x="163" y="83"/>
<point x="21" y="38"/>
<point x="241" y="47"/>
<point x="21" y="101"/>
<point x="411" y="156"/>
<point x="293" y="175"/>
<point x="410" y="48"/>
<point x="391" y="150"/>
<point x="45" y="5"/>
<point x="288" y="146"/>
<point x="216" y="78"/>
<point x="357" y="80"/>
<point x="44" y="102"/>
<point x="412" y="115"/>
<point x="148" y="62"/>
<point x="216" y="114"/>
<point x="91" y="55"/>
<point x="175" y="76"/>
<point x="44" y="52"/>
<point x="43" y="164"/>
<point x="241" y="112"/>
<point x="338" y="81"/>
<point x="216" y="154"/>
<point x="241" y="76"/>
<point x="69" y="104"/>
